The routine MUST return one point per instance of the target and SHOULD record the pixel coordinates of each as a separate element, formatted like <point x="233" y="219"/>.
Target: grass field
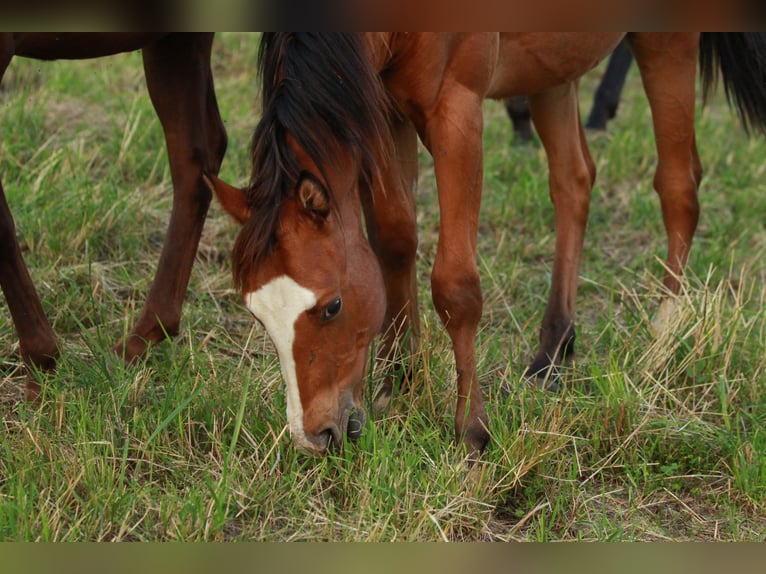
<point x="651" y="438"/>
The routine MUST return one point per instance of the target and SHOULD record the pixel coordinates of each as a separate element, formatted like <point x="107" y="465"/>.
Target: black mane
<point x="322" y="90"/>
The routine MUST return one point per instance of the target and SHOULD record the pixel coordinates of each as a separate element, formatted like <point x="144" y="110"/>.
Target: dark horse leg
<point x="572" y="173"/>
<point x="607" y="97"/>
<point x="392" y="232"/>
<point x="37" y="342"/>
<point x="180" y="84"/>
<point x="518" y="110"/>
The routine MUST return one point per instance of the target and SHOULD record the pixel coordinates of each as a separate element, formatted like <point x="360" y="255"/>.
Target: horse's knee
<point x="456" y="294"/>
<point x="570" y="192"/>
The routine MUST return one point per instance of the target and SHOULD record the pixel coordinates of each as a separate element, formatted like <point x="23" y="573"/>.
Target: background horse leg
<point x="37" y="342"/>
<point x="453" y="136"/>
<point x="392" y="232"/>
<point x="607" y="97"/>
<point x="668" y="71"/>
<point x="605" y="101"/>
<point x="180" y="84"/>
<point x="518" y="111"/>
<point x="571" y="176"/>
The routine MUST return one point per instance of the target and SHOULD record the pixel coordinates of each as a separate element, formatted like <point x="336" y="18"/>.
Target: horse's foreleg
<point x="180" y="84"/>
<point x="453" y="136"/>
<point x="571" y="177"/>
<point x="392" y="232"/>
<point x="37" y="342"/>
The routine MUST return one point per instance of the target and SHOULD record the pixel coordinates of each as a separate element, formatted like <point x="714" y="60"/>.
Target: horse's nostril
<point x="324" y="439"/>
<point x="329" y="439"/>
<point x="356" y="420"/>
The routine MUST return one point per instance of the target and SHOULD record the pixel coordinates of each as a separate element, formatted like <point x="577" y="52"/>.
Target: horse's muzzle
<point x="331" y="438"/>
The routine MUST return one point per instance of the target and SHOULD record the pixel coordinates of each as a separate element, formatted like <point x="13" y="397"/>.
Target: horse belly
<point x="532" y="62"/>
<point x="75" y="45"/>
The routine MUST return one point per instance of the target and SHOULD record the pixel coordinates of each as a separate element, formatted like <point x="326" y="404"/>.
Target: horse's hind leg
<point x="180" y="84"/>
<point x="571" y="177"/>
<point x="392" y="232"/>
<point x="668" y="70"/>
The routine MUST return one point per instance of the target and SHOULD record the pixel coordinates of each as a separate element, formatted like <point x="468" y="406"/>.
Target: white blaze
<point x="277" y="305"/>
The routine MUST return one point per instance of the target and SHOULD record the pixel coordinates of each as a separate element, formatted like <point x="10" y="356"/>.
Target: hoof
<point x="32" y="391"/>
<point x="475" y="442"/>
<point x="666" y="317"/>
<point x="549" y="382"/>
<point x="545" y="378"/>
<point x="32" y="388"/>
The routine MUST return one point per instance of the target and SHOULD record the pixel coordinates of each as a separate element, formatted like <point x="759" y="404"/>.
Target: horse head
<point x="302" y="260"/>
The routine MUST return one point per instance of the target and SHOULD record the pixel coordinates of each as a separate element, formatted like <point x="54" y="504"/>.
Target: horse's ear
<point x="313" y="198"/>
<point x="232" y="199"/>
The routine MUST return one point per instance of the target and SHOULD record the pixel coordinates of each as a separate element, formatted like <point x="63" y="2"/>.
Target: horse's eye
<point x="331" y="310"/>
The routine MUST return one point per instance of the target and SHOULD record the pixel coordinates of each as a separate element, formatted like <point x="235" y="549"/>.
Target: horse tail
<point x="741" y="59"/>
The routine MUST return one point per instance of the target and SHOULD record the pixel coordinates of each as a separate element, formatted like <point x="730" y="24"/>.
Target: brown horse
<point x="336" y="151"/>
<point x="180" y="83"/>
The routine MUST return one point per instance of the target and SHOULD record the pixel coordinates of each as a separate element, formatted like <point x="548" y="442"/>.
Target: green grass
<point x="652" y="437"/>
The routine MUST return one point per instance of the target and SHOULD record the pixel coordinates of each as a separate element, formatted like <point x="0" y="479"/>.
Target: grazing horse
<point x="180" y="84"/>
<point x="335" y="152"/>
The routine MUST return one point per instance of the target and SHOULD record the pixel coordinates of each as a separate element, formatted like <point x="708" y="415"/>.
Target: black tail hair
<point x="740" y="58"/>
